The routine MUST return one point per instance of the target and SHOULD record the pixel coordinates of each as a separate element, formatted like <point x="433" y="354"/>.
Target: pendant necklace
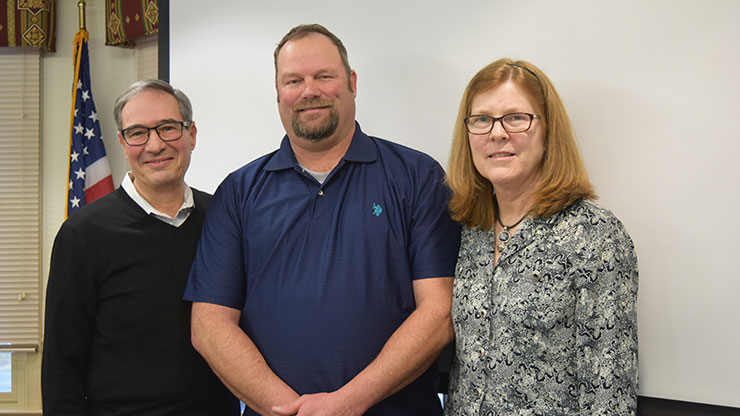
<point x="504" y="236"/>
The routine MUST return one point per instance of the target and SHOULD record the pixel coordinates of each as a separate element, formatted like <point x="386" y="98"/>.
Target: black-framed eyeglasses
<point x="168" y="132"/>
<point x="512" y="123"/>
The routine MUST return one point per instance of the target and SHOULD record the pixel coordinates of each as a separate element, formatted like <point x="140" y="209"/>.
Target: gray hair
<point x="186" y="109"/>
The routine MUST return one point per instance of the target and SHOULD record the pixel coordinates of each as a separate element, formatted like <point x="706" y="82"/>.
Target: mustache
<point x="304" y="105"/>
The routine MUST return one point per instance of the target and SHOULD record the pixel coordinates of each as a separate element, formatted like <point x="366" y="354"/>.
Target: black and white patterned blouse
<point x="552" y="329"/>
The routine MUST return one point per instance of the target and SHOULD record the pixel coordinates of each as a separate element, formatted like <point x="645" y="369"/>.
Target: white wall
<point x="652" y="88"/>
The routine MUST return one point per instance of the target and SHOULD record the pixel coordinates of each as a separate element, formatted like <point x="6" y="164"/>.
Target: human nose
<point x="310" y="89"/>
<point x="498" y="132"/>
<point x="155" y="143"/>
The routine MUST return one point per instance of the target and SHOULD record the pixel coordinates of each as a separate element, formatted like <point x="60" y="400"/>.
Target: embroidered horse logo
<point x="377" y="209"/>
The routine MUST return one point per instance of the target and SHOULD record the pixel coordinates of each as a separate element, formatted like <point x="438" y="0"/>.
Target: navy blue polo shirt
<point x="323" y="273"/>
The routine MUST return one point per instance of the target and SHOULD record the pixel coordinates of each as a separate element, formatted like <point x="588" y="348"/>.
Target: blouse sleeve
<point x="606" y="324"/>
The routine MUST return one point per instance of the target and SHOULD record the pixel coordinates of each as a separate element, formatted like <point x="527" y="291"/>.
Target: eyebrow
<point x="328" y="70"/>
<point x="509" y="110"/>
<point x="160" y="122"/>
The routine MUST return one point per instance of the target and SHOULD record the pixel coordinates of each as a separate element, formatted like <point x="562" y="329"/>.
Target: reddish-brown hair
<point x="562" y="179"/>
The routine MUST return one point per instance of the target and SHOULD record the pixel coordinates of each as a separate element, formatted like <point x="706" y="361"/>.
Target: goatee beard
<point x="311" y="133"/>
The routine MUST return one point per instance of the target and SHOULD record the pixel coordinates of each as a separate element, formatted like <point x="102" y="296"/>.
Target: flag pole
<point x="81" y="5"/>
<point x="79" y="39"/>
<point x="92" y="176"/>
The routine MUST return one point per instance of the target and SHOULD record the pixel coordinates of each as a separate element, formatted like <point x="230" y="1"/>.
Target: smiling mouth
<point x="157" y="162"/>
<point x="498" y="155"/>
<point x="308" y="109"/>
<point x="312" y="109"/>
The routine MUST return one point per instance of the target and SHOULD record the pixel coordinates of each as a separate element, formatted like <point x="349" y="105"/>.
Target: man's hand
<point x="319" y="404"/>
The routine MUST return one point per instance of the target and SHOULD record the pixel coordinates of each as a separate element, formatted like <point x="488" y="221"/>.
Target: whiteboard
<point x="652" y="88"/>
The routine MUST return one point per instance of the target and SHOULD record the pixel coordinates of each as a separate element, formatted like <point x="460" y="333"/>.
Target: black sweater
<point x="117" y="332"/>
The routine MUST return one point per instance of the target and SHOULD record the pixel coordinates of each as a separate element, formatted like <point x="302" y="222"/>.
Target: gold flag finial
<point x="81" y="4"/>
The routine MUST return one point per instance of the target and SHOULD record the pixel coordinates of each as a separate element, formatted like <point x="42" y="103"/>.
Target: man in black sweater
<point x="117" y="332"/>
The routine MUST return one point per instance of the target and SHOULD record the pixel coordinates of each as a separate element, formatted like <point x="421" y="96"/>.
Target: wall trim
<point x="651" y="406"/>
<point x="163" y="46"/>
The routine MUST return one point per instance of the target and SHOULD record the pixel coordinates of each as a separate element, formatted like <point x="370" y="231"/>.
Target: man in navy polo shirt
<point x="323" y="278"/>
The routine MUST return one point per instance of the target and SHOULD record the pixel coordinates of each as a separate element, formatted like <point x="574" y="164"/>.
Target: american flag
<point x="89" y="171"/>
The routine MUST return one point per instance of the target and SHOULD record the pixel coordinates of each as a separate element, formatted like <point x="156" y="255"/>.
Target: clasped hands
<point x="318" y="404"/>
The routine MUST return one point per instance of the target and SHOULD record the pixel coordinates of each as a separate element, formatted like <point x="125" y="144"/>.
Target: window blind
<point x="20" y="208"/>
<point x="147" y="57"/>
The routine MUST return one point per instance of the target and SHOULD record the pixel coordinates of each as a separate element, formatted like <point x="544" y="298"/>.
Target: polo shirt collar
<point x="361" y="149"/>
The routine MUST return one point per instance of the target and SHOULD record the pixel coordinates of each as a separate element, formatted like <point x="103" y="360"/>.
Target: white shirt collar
<point x="182" y="214"/>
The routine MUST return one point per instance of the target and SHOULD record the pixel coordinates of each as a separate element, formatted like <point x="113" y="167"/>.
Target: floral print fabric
<point x="552" y="328"/>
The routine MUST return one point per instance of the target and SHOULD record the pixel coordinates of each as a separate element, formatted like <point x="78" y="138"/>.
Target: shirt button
<point x="481" y="352"/>
<point x="483" y="314"/>
<point x="478" y="393"/>
<point x="321" y="192"/>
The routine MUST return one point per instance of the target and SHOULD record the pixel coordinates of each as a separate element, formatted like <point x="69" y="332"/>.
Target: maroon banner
<point x="28" y="23"/>
<point x="127" y="20"/>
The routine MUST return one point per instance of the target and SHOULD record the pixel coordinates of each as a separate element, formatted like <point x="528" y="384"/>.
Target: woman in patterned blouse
<point x="546" y="280"/>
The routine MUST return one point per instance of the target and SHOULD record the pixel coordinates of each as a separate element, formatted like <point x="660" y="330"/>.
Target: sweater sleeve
<point x="69" y="325"/>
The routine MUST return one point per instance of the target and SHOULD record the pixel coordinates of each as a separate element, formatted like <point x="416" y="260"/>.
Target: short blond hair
<point x="562" y="179"/>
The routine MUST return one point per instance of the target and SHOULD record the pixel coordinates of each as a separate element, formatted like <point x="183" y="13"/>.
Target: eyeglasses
<point x="512" y="123"/>
<point x="168" y="132"/>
